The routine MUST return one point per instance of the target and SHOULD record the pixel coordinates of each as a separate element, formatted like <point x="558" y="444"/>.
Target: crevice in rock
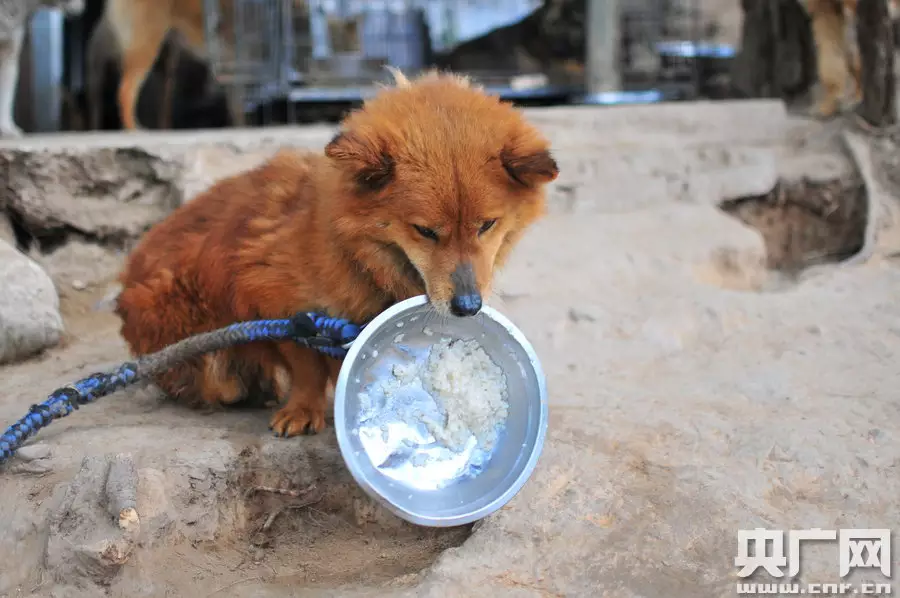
<point x="806" y="223"/>
<point x="304" y="506"/>
<point x="23" y="237"/>
<point x="48" y="238"/>
<point x="105" y="196"/>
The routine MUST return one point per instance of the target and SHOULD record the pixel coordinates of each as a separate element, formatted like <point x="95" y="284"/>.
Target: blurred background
<point x="304" y="61"/>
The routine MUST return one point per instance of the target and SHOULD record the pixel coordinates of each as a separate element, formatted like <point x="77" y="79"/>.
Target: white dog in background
<point x="14" y="18"/>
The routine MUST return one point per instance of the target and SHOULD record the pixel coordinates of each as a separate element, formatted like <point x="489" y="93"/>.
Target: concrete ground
<point x="693" y="393"/>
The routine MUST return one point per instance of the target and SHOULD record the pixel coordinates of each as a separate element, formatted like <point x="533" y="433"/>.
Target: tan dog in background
<point x="137" y="29"/>
<point x="837" y="51"/>
<point x="103" y="48"/>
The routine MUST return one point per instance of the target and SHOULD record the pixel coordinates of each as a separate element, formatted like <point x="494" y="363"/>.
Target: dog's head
<point x="439" y="180"/>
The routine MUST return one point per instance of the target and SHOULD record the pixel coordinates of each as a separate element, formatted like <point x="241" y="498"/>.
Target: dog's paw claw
<point x="294" y="421"/>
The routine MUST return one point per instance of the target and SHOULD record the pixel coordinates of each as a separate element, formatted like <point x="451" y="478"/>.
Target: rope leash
<point x="331" y="336"/>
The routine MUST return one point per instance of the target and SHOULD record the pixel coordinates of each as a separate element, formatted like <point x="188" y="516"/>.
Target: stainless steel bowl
<point x="397" y="462"/>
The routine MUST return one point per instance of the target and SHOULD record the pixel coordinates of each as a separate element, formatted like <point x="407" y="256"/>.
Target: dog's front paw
<point x="293" y="420"/>
<point x="10" y="130"/>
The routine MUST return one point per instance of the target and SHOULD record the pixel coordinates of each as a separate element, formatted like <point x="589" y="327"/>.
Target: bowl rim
<point x="342" y="433"/>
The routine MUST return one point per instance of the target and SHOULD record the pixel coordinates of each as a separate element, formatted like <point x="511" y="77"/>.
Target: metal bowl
<point x="397" y="462"/>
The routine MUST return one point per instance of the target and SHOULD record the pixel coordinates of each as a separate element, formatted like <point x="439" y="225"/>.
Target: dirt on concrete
<point x="684" y="406"/>
<point x="289" y="517"/>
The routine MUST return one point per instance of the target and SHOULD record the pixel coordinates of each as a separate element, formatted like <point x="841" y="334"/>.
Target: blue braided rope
<point x="318" y="331"/>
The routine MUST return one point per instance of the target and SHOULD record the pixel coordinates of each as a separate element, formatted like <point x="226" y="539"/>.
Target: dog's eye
<point x="486" y="226"/>
<point x="426" y="232"/>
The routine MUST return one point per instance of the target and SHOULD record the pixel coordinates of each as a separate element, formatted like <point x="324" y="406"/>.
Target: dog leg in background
<point x="851" y="49"/>
<point x="140" y="35"/>
<point x="829" y="33"/>
<point x="10" y="53"/>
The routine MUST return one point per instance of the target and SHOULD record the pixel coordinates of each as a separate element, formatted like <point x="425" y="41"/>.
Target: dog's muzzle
<point x="466" y="300"/>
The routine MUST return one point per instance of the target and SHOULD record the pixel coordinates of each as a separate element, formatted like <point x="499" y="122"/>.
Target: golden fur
<point x="137" y="29"/>
<point x="837" y="53"/>
<point x="426" y="189"/>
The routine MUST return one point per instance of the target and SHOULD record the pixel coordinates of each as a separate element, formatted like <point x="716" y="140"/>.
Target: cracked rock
<point x="102" y="194"/>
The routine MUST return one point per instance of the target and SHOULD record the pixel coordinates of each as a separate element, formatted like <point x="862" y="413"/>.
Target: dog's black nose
<point x="465" y="305"/>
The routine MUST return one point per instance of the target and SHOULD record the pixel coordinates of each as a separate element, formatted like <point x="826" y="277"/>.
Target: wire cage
<point x="666" y="47"/>
<point x="251" y="46"/>
<point x="333" y="52"/>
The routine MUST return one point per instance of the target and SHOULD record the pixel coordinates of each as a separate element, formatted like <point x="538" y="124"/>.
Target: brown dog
<point x="137" y="29"/>
<point x="837" y="53"/>
<point x="426" y="190"/>
<point x="102" y="50"/>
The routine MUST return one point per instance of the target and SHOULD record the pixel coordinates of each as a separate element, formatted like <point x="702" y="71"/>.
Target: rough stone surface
<point x="106" y="193"/>
<point x="113" y="187"/>
<point x="78" y="264"/>
<point x="884" y="207"/>
<point x="29" y="307"/>
<point x="689" y="399"/>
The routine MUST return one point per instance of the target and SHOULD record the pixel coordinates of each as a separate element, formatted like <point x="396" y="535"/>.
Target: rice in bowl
<point x="447" y="406"/>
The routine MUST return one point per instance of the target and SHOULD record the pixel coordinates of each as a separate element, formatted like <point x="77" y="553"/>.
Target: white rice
<point x="471" y="390"/>
<point x="468" y="388"/>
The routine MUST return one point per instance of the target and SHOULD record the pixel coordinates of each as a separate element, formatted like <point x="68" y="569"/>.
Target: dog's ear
<point x="529" y="168"/>
<point x="371" y="168"/>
